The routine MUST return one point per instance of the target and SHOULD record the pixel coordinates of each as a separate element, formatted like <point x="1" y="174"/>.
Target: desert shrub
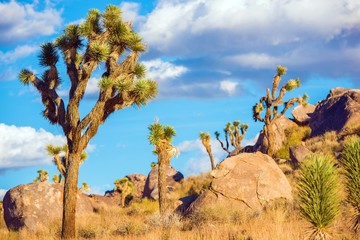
<point x="194" y="185"/>
<point x="328" y="143"/>
<point x="318" y="193"/>
<point x="134" y="228"/>
<point x="86" y="233"/>
<point x="144" y="207"/>
<point x="350" y="161"/>
<point x="294" y="136"/>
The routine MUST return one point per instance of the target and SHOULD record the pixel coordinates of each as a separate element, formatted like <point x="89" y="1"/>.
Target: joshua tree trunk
<point x="268" y="146"/>
<point x="162" y="167"/>
<point x="70" y="196"/>
<point x="208" y="149"/>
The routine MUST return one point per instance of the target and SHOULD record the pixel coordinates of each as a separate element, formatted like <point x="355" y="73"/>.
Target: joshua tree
<point x="60" y="157"/>
<point x="318" y="194"/>
<point x="206" y="141"/>
<point x="236" y="133"/>
<point x="161" y="136"/>
<point x="125" y="187"/>
<point x="350" y="160"/>
<point x="57" y="178"/>
<point x="84" y="187"/>
<point x="271" y="104"/>
<point x="101" y="41"/>
<point x="43" y="176"/>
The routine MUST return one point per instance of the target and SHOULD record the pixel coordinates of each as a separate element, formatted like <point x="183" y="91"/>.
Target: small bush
<point x="318" y="193"/>
<point x="294" y="136"/>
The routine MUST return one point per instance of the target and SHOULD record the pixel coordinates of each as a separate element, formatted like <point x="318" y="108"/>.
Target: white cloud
<point x="8" y="74"/>
<point x="23" y="21"/>
<point x="228" y="86"/>
<point x="92" y="86"/>
<point x="130" y="12"/>
<point x="254" y="60"/>
<point x="200" y="163"/>
<point x="162" y="71"/>
<point x="174" y="23"/>
<point x="19" y="52"/>
<point x="25" y="146"/>
<point x="2" y="193"/>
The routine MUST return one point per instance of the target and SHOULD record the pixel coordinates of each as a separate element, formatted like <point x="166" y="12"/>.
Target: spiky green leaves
<point x="25" y="76"/>
<point x="318" y="192"/>
<point x="91" y="26"/>
<point x="159" y="133"/>
<point x="350" y="161"/>
<point x="204" y="136"/>
<point x="48" y="55"/>
<point x="145" y="90"/>
<point x="281" y="70"/>
<point x="292" y="84"/>
<point x="111" y="16"/>
<point x="140" y="70"/>
<point x="105" y="83"/>
<point x="99" y="51"/>
<point x="54" y="150"/>
<point x="69" y="39"/>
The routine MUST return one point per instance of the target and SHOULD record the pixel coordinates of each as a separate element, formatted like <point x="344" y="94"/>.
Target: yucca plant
<point x="275" y="107"/>
<point x="234" y="134"/>
<point x="84" y="187"/>
<point x="42" y="177"/>
<point x="161" y="137"/>
<point x="102" y="39"/>
<point x="318" y="194"/>
<point x="350" y="161"/>
<point x="206" y="141"/>
<point x="125" y="187"/>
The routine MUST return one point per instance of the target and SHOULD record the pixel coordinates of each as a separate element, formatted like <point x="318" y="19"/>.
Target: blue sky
<point x="212" y="59"/>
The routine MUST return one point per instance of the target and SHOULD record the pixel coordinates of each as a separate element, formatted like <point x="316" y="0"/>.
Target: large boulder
<point x="302" y="114"/>
<point x="279" y="127"/>
<point x="37" y="204"/>
<point x="245" y="182"/>
<point x="138" y="180"/>
<point x="173" y="179"/>
<point x="339" y="112"/>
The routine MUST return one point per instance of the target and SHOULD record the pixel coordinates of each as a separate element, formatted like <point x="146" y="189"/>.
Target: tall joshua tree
<point x="206" y="141"/>
<point x="271" y="103"/>
<point x="102" y="41"/>
<point x="161" y="137"/>
<point x="234" y="132"/>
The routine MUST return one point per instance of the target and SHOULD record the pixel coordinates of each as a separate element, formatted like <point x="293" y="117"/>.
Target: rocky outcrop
<point x="246" y="182"/>
<point x="138" y="180"/>
<point x="298" y="154"/>
<point x="302" y="114"/>
<point x="37" y="204"/>
<point x="151" y="190"/>
<point x="279" y="127"/>
<point x="32" y="205"/>
<point x="339" y="112"/>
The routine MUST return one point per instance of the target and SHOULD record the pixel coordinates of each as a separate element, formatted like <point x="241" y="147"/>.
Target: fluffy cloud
<point x="162" y="71"/>
<point x="23" y="21"/>
<point x="201" y="162"/>
<point x="25" y="146"/>
<point x="18" y="52"/>
<point x="253" y="37"/>
<point x="228" y="86"/>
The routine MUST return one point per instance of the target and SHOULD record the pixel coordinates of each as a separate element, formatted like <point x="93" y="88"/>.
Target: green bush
<point x="318" y="193"/>
<point x="294" y="136"/>
<point x="350" y="160"/>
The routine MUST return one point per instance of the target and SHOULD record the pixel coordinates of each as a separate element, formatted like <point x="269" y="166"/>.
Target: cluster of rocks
<point x="247" y="181"/>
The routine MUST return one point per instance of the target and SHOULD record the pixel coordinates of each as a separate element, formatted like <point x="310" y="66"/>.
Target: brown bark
<point x="208" y="150"/>
<point x="269" y="141"/>
<point x="70" y="196"/>
<point x="162" y="188"/>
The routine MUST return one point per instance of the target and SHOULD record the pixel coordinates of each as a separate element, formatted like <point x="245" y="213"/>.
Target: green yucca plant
<point x="350" y="160"/>
<point x="318" y="194"/>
